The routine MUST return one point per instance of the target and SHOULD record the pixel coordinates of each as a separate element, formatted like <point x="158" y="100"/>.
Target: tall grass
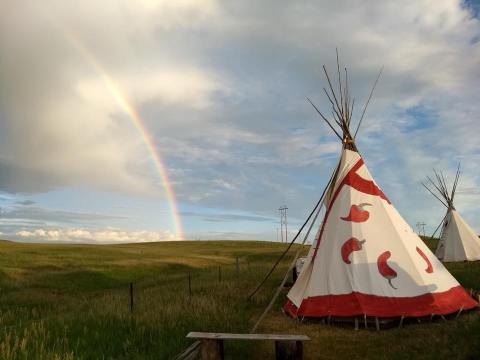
<point x="72" y="302"/>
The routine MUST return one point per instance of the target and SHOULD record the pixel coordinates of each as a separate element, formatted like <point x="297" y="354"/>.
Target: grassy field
<point x="72" y="302"/>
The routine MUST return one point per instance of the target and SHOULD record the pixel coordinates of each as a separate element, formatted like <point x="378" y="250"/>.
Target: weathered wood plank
<point x="227" y="336"/>
<point x="211" y="349"/>
<point x="190" y="353"/>
<point x="288" y="350"/>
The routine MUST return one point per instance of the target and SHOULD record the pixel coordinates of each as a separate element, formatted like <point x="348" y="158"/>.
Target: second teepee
<point x="458" y="241"/>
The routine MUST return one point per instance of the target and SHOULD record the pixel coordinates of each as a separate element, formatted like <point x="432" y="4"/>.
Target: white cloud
<point x="178" y="86"/>
<point x="69" y="84"/>
<point x="102" y="236"/>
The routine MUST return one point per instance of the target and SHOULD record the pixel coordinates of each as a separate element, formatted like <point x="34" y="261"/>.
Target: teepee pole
<point x="445" y="187"/>
<point x="334" y="109"/>
<point x="351" y="111"/>
<point x="368" y="101"/>
<point x="431" y="192"/>
<point x="331" y="89"/>
<point x="347" y="100"/>
<point x="454" y="188"/>
<point x="293" y="240"/>
<point x="342" y="99"/>
<point x="438" y="227"/>
<point x="324" y="118"/>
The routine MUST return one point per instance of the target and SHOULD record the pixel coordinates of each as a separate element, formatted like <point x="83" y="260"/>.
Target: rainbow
<point x="128" y="108"/>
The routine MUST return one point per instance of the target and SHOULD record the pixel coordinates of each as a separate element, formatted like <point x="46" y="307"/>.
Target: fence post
<point x="190" y="284"/>
<point x="131" y="298"/>
<point x="238" y="268"/>
<point x="219" y="273"/>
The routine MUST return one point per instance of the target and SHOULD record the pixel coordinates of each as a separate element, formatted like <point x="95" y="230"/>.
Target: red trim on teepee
<point x="357" y="303"/>
<point x="355" y="167"/>
<point x="363" y="185"/>
<point x="358" y="183"/>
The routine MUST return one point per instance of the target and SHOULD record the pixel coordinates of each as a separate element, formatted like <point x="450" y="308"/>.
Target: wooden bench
<point x="286" y="346"/>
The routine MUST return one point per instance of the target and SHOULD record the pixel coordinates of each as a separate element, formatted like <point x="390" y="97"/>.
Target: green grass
<point x="72" y="302"/>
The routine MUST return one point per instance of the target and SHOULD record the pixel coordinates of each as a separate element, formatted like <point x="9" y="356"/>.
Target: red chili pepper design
<point x="357" y="214"/>
<point x="350" y="246"/>
<point x="386" y="271"/>
<point x="429" y="268"/>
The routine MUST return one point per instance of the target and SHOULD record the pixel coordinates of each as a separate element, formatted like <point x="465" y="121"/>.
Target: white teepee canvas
<point x="458" y="241"/>
<point x="366" y="260"/>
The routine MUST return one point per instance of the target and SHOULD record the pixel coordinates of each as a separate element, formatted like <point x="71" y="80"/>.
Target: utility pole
<point x="421" y="227"/>
<point x="283" y="221"/>
<point x="281" y="227"/>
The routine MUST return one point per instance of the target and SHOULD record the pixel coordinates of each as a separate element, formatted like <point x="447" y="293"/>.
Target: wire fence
<point x="186" y="283"/>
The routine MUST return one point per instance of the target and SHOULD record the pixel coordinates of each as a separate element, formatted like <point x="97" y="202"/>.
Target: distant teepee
<point x="458" y="241"/>
<point x="365" y="259"/>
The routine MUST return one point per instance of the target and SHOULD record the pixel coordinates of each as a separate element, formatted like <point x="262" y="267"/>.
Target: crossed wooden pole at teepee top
<point x="440" y="185"/>
<point x="342" y="106"/>
<point x="439" y="190"/>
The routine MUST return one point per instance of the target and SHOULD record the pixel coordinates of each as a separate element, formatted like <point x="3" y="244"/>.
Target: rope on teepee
<point x="279" y="289"/>
<point x="292" y="265"/>
<point x="438" y="227"/>
<point x="293" y="240"/>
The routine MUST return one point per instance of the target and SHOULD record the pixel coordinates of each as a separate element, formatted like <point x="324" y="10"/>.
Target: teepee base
<point x="358" y="304"/>
<point x="378" y="323"/>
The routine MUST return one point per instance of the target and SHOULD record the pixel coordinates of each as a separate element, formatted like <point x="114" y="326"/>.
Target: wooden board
<point x="226" y="336"/>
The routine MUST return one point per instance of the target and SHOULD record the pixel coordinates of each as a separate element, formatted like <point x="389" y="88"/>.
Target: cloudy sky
<point x="93" y="94"/>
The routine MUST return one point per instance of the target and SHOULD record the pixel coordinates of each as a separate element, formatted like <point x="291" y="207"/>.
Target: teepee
<point x="365" y="259"/>
<point x="458" y="241"/>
